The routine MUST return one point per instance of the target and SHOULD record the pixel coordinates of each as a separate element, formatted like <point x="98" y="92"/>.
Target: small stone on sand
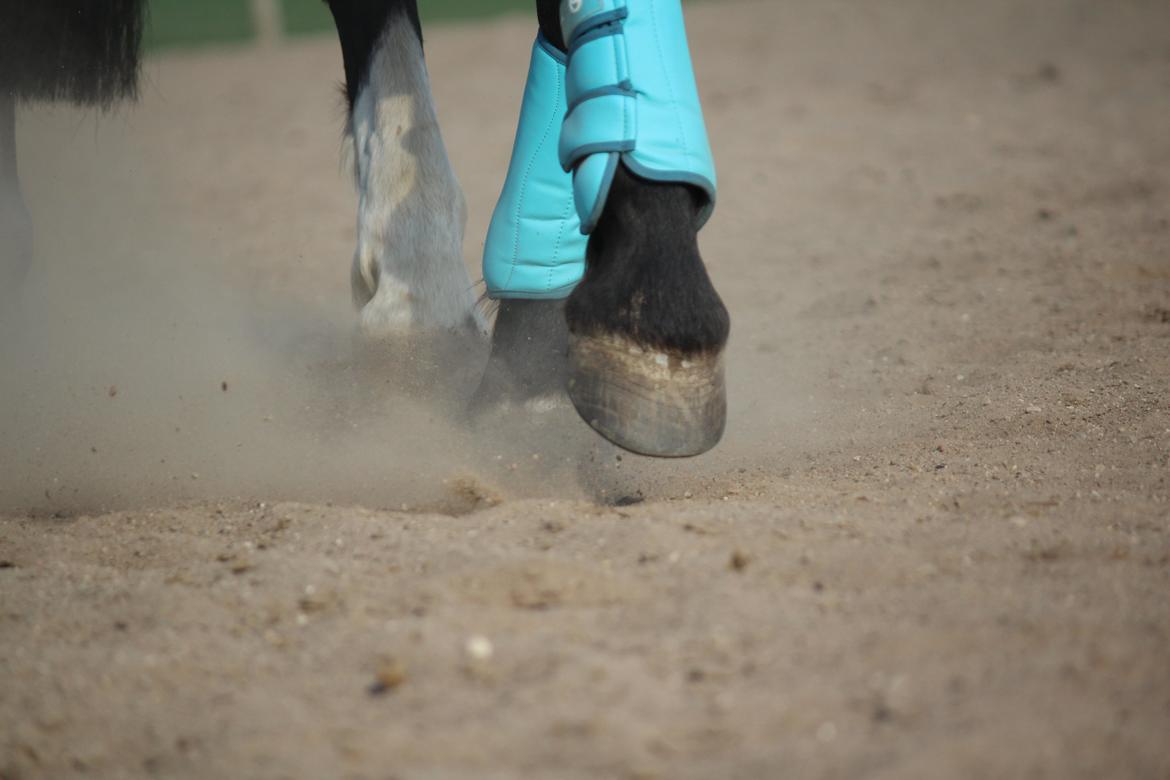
<point x="479" y="648"/>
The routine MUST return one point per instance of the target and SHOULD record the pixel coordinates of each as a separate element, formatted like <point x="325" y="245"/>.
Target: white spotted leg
<point x="408" y="275"/>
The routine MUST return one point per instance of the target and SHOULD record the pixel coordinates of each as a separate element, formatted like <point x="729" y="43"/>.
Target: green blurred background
<point x="191" y="23"/>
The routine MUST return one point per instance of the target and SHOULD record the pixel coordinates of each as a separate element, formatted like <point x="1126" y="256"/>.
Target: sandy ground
<point x="935" y="543"/>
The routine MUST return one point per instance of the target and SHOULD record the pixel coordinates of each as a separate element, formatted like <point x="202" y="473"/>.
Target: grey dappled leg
<point x="408" y="274"/>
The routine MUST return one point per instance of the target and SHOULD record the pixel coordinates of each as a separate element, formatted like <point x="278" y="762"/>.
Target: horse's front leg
<point x="611" y="179"/>
<point x="408" y="274"/>
<point x="15" y="225"/>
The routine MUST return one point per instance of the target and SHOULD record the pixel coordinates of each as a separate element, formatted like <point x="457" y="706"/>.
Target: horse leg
<point x="533" y="255"/>
<point x="643" y="329"/>
<point x="408" y="274"/>
<point x="646" y="326"/>
<point x="15" y="225"/>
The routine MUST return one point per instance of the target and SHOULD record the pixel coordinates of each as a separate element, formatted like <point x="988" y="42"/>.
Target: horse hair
<point x="84" y="51"/>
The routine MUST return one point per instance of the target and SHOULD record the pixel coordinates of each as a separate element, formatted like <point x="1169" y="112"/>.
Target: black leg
<point x="644" y="277"/>
<point x="548" y="14"/>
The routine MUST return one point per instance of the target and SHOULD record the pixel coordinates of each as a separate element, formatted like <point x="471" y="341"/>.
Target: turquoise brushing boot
<point x="632" y="99"/>
<point x="624" y="93"/>
<point x="535" y="248"/>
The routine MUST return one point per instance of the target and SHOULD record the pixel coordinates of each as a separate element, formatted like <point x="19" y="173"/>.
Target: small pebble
<point x="479" y="648"/>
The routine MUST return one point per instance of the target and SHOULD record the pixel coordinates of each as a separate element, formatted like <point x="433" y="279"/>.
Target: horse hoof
<point x="648" y="401"/>
<point x="525" y="371"/>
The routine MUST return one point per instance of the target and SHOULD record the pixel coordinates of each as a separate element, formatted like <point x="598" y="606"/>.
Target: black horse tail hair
<point x="84" y="51"/>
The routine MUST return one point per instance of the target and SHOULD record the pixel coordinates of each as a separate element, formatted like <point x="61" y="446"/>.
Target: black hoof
<point x="526" y="370"/>
<point x="647" y="401"/>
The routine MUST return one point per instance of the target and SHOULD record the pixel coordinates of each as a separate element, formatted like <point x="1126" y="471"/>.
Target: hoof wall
<point x="648" y="401"/>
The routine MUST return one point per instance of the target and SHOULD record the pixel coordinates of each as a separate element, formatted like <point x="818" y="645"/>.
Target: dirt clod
<point x="390" y="674"/>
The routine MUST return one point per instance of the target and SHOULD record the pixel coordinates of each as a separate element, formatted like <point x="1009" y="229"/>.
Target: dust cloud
<point x="186" y="334"/>
<point x="132" y="377"/>
<point x="138" y="371"/>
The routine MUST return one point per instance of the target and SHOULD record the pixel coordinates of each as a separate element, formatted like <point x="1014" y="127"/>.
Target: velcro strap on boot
<point x="632" y="99"/>
<point x="535" y="248"/>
